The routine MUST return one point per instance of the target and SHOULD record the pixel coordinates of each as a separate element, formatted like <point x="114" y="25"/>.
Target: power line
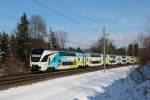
<point x="78" y="13"/>
<point x="59" y="13"/>
<point x="9" y="17"/>
<point x="5" y="26"/>
<point x="5" y="29"/>
<point x="10" y="28"/>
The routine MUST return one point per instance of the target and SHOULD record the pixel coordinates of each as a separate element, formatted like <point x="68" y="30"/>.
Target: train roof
<point x="90" y="53"/>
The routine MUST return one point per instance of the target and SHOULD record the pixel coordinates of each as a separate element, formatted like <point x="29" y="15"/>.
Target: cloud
<point x="120" y="39"/>
<point x="123" y="39"/>
<point x="82" y="42"/>
<point x="130" y="22"/>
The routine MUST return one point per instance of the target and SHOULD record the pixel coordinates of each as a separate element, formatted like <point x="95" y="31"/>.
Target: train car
<point x="119" y="59"/>
<point x="86" y="59"/>
<point x="123" y="59"/>
<point x="52" y="60"/>
<point x="96" y="59"/>
<point x="43" y="60"/>
<point x="131" y="59"/>
<point x="113" y="59"/>
<point x="128" y="59"/>
<point x="134" y="60"/>
<point x="69" y="60"/>
<point x="106" y="60"/>
<point x="39" y="59"/>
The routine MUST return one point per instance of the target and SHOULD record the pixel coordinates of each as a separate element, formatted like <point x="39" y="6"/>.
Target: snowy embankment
<point x="111" y="85"/>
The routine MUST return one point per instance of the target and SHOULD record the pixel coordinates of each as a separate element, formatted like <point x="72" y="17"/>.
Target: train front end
<point x="39" y="59"/>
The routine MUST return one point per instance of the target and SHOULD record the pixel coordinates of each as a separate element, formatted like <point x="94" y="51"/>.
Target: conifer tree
<point x="13" y="44"/>
<point x="4" y="46"/>
<point x="23" y="40"/>
<point x="54" y="40"/>
<point x="79" y="49"/>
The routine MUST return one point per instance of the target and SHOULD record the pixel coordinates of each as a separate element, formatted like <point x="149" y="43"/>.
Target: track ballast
<point x="28" y="78"/>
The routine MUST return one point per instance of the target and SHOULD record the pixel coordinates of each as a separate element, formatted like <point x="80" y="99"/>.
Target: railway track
<point x="28" y="78"/>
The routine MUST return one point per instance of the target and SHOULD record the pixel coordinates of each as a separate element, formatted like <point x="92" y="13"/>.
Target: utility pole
<point x="133" y="53"/>
<point x="126" y="50"/>
<point x="50" y="42"/>
<point x="26" y="44"/>
<point x="26" y="52"/>
<point x="104" y="49"/>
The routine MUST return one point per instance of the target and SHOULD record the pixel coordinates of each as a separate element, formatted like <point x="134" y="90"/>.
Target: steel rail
<point x="28" y="78"/>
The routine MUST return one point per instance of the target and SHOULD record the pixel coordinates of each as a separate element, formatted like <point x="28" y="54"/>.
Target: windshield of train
<point x="36" y="55"/>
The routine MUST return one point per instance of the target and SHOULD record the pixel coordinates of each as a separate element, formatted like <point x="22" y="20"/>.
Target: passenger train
<point x="48" y="60"/>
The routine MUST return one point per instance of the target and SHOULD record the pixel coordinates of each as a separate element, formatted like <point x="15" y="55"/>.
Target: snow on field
<point x="98" y="85"/>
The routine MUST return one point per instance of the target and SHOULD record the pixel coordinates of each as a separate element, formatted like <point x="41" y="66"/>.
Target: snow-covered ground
<point x="111" y="85"/>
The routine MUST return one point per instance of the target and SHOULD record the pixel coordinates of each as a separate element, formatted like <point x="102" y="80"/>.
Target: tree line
<point x="29" y="34"/>
<point x="111" y="48"/>
<point x="33" y="33"/>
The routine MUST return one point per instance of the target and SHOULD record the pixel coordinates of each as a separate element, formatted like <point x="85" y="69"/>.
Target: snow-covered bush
<point x="146" y="72"/>
<point x="136" y="75"/>
<point x="141" y="74"/>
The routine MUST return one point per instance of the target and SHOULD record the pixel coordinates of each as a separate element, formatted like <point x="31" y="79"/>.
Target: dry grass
<point x="15" y="66"/>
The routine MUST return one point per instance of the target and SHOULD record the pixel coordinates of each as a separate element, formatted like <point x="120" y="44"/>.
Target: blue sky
<point x="124" y="19"/>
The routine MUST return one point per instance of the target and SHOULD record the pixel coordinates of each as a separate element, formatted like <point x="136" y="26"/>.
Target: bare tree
<point x="53" y="40"/>
<point x="141" y="40"/>
<point x="98" y="46"/>
<point x="144" y="50"/>
<point x="38" y="32"/>
<point x="62" y="38"/>
<point x="37" y="27"/>
<point x="144" y="43"/>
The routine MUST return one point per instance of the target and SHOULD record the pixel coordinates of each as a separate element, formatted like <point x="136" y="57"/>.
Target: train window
<point x="59" y="62"/>
<point x="95" y="55"/>
<point x="45" y="58"/>
<point x="113" y="56"/>
<point x="54" y="58"/>
<point x="35" y="59"/>
<point x="67" y="63"/>
<point x="67" y="54"/>
<point x="123" y="56"/>
<point x="95" y="62"/>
